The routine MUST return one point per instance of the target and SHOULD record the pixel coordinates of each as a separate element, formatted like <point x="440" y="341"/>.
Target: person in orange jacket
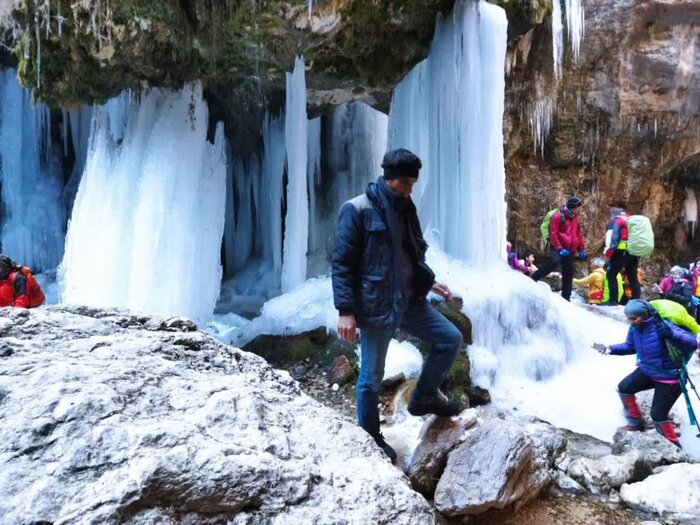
<point x="13" y="284"/>
<point x="595" y="281"/>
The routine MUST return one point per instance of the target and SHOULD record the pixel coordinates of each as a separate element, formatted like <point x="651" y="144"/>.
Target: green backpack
<point x="641" y="236"/>
<point x="676" y="313"/>
<point x="544" y="227"/>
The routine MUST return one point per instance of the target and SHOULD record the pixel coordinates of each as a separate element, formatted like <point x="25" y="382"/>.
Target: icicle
<point x="541" y="117"/>
<point x="296" y="222"/>
<point x="575" y="24"/>
<point x="557" y="39"/>
<point x="690" y="211"/>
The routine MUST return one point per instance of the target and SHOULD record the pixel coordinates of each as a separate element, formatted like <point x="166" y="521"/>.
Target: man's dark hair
<point x="614" y="212"/>
<point x="401" y="163"/>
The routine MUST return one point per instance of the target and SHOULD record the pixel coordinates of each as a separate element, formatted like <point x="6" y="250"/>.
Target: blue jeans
<point x="420" y="320"/>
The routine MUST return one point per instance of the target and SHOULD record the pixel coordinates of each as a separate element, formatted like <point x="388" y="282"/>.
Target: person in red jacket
<point x="13" y="284"/>
<point x="565" y="240"/>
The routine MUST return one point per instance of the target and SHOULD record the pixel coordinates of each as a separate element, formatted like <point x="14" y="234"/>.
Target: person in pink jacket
<point x="514" y="262"/>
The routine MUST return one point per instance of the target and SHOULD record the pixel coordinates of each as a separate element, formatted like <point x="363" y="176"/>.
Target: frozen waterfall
<point x="33" y="216"/>
<point x="449" y="111"/>
<point x="148" y="217"/>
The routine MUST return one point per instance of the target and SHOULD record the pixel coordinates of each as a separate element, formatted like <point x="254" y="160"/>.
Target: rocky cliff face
<point x="624" y="122"/>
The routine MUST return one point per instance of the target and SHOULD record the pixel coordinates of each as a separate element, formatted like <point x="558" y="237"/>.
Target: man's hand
<point x="347" y="328"/>
<point x="443" y="291"/>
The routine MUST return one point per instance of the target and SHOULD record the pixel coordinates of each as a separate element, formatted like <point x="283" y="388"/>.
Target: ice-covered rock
<point x="109" y="417"/>
<point x="673" y="493"/>
<point x="601" y="474"/>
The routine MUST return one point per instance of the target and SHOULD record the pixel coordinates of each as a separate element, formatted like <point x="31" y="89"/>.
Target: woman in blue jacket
<point x="648" y="337"/>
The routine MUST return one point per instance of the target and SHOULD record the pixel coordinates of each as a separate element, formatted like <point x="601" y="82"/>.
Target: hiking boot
<point x="668" y="430"/>
<point x="633" y="414"/>
<point x="390" y="452"/>
<point x="439" y="404"/>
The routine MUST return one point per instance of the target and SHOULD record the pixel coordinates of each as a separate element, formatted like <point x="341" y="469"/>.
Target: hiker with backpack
<point x="561" y="229"/>
<point x="662" y="347"/>
<point x="18" y="287"/>
<point x="598" y="289"/>
<point x="616" y="253"/>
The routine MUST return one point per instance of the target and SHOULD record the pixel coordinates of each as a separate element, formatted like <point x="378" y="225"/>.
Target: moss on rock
<point x="104" y="48"/>
<point x="316" y="345"/>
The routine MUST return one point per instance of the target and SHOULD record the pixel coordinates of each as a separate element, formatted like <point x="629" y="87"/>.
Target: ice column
<point x="149" y="213"/>
<point x="449" y="110"/>
<point x="33" y="216"/>
<point x="269" y="201"/>
<point x="297" y="218"/>
<point x="557" y="38"/>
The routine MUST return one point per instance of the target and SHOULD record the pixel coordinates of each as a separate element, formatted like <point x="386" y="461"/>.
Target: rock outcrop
<point x="624" y="123"/>
<point x="110" y="417"/>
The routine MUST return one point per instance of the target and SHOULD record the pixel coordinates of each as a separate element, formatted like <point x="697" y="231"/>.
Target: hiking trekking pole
<point x="683" y="373"/>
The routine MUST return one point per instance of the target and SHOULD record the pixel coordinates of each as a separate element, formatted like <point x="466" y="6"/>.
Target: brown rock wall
<point x="625" y="128"/>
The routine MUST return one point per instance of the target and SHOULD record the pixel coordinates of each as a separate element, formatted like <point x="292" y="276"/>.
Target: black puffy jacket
<point x="364" y="276"/>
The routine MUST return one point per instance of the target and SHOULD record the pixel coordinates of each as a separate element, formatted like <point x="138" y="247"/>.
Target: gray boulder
<point x="438" y="437"/>
<point x="500" y="463"/>
<point x="109" y="417"/>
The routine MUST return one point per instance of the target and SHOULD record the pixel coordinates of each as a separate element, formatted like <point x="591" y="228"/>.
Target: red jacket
<point x="565" y="232"/>
<point x="619" y="234"/>
<point x="13" y="290"/>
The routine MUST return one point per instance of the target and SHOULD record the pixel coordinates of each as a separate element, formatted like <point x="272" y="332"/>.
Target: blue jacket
<point x="650" y="346"/>
<point x="365" y="267"/>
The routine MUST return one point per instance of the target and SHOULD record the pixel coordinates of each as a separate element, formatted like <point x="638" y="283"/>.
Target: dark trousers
<point x="665" y="394"/>
<point x="420" y="320"/>
<point x="567" y="271"/>
<point x="621" y="259"/>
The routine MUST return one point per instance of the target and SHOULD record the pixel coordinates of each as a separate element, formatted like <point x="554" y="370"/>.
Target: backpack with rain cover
<point x="640" y="241"/>
<point x="36" y="296"/>
<point x="544" y="227"/>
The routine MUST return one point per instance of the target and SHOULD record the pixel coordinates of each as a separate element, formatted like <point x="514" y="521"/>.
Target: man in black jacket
<point x="380" y="282"/>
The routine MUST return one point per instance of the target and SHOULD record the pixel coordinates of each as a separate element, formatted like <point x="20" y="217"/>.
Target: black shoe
<point x="390" y="452"/>
<point x="439" y="405"/>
